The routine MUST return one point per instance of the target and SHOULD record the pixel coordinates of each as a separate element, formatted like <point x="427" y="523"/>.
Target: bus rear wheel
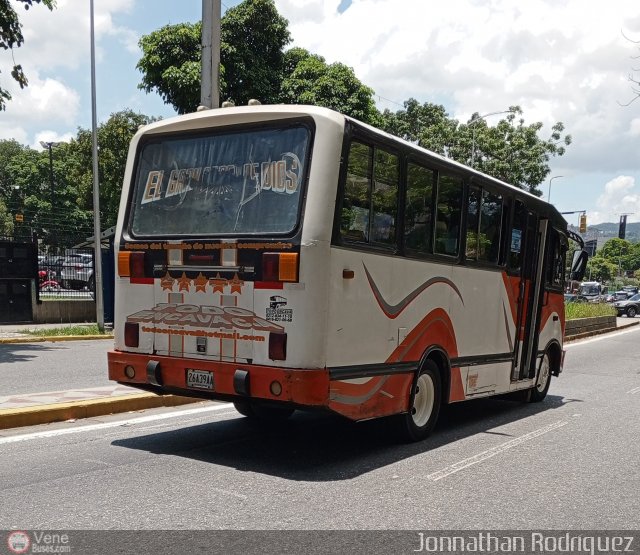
<point x="539" y="391"/>
<point x="424" y="404"/>
<point x="258" y="411"/>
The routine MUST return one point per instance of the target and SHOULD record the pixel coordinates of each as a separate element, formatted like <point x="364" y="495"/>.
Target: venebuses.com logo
<point x="18" y="541"/>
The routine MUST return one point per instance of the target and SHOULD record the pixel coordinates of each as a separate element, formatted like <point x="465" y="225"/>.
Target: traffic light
<point x="583" y="223"/>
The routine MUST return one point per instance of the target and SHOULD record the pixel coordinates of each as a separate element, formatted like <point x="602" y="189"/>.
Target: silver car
<point x="77" y="272"/>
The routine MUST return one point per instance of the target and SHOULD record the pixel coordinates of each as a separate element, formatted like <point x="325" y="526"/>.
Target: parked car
<point x="77" y="272"/>
<point x="630" y="307"/>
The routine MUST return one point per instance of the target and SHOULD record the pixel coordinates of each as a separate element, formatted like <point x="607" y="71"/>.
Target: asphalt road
<point x="47" y="366"/>
<point x="569" y="462"/>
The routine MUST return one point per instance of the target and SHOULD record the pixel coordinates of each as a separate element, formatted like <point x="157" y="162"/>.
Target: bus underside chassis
<point x="262" y="411"/>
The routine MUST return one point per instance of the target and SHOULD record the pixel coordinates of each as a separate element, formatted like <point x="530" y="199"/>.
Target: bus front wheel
<point x="258" y="411"/>
<point x="539" y="392"/>
<point x="424" y="404"/>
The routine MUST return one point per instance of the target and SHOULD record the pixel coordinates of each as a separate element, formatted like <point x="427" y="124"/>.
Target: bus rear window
<point x="246" y="182"/>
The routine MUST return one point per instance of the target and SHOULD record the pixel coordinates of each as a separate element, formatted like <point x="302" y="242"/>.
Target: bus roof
<point x="248" y="114"/>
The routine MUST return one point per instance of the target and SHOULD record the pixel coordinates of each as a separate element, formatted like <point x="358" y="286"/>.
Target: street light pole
<point x="49" y="146"/>
<point x="473" y="135"/>
<point x="550" y="180"/>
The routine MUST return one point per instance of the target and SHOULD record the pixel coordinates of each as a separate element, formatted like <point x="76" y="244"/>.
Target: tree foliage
<point x="11" y="37"/>
<point x="511" y="150"/>
<point x="170" y="65"/>
<point x="253" y="35"/>
<point x="63" y="214"/>
<point x="313" y="81"/>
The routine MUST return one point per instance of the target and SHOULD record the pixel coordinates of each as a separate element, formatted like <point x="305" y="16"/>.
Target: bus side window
<point x="370" y="203"/>
<point x="473" y="214"/>
<point x="555" y="271"/>
<point x="384" y="198"/>
<point x="418" y="213"/>
<point x="490" y="220"/>
<point x="516" y="244"/>
<point x="449" y="211"/>
<point x="354" y="225"/>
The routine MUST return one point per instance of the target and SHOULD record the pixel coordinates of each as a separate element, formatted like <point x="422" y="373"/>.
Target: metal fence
<point x="65" y="273"/>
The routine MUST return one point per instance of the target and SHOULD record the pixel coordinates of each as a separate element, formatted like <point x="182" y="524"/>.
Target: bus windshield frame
<point x="224" y="182"/>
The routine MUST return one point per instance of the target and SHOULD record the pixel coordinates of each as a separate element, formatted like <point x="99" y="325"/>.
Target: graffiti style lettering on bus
<point x="279" y="176"/>
<point x="204" y="317"/>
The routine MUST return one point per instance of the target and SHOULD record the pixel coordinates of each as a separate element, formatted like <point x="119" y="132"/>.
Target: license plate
<point x="199" y="379"/>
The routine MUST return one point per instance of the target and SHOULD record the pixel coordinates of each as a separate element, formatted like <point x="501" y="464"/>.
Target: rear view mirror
<point x="578" y="265"/>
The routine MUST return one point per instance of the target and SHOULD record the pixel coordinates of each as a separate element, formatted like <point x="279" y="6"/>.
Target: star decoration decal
<point x="183" y="283"/>
<point x="236" y="284"/>
<point x="167" y="282"/>
<point x="218" y="283"/>
<point x="201" y="283"/>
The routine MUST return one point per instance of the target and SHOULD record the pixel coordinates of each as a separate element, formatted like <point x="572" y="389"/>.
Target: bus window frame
<point x="356" y="134"/>
<point x="483" y="186"/>
<point x="276" y="124"/>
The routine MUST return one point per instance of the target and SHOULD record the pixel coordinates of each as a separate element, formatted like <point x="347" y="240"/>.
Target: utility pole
<point x="210" y="86"/>
<point x="97" y="243"/>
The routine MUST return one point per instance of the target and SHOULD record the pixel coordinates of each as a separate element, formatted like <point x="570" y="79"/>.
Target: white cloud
<point x="619" y="197"/>
<point x="560" y="61"/>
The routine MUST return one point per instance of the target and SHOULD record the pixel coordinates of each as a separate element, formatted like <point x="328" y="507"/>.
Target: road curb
<point x="59" y="412"/>
<point x="598" y="332"/>
<point x="52" y="338"/>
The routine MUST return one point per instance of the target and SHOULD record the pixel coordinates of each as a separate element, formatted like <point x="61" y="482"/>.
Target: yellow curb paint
<point x="59" y="412"/>
<point x="52" y="338"/>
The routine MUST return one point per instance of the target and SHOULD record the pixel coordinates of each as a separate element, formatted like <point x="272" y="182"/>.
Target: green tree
<point x="313" y="81"/>
<point x="11" y="37"/>
<point x="601" y="269"/>
<point x="511" y="150"/>
<point x="170" y="65"/>
<point x="253" y="35"/>
<point x="114" y="137"/>
<point x="6" y="220"/>
<point x="427" y="125"/>
<point x="618" y="252"/>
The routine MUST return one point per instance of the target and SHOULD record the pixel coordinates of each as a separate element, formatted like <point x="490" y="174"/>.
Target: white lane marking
<point x="107" y="425"/>
<point x="634" y="391"/>
<point x="465" y="463"/>
<point x="580" y="342"/>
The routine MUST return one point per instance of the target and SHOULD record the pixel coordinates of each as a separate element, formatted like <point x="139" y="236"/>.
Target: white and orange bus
<point x="286" y="257"/>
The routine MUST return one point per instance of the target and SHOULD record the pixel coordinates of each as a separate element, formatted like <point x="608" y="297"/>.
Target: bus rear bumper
<point x="219" y="380"/>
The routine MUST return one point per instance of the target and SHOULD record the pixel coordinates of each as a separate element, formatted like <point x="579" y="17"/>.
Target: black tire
<point x="539" y="391"/>
<point x="631" y="312"/>
<point x="258" y="411"/>
<point x="424" y="404"/>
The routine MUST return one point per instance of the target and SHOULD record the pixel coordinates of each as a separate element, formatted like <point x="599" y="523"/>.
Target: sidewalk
<point x="30" y="409"/>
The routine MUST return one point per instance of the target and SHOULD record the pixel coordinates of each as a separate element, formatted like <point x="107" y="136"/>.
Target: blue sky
<point x="558" y="61"/>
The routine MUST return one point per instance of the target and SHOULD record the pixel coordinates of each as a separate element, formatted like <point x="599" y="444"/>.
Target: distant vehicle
<point x="630" y="307"/>
<point x="592" y="291"/>
<point x="53" y="263"/>
<point x="631" y="290"/>
<point x="77" y="272"/>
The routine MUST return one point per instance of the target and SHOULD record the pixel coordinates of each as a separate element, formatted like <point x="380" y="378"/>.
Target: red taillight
<point x="280" y="266"/>
<point x="136" y="263"/>
<point x="131" y="264"/>
<point x="131" y="334"/>
<point x="277" y="346"/>
<point x="270" y="264"/>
